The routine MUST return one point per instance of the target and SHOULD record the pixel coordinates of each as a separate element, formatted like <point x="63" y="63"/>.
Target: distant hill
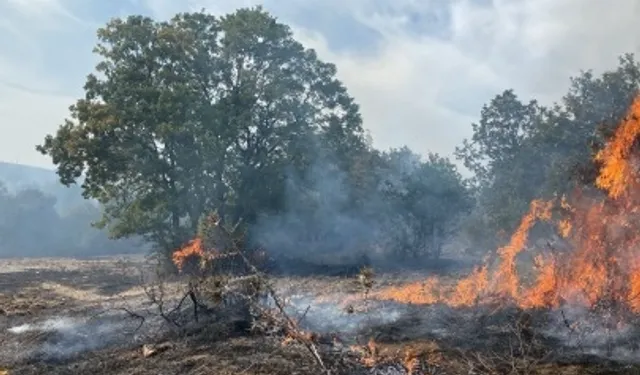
<point x="19" y="176"/>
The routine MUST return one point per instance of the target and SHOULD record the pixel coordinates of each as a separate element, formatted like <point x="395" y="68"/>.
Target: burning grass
<point x="426" y="339"/>
<point x="603" y="267"/>
<point x="579" y="310"/>
<point x="580" y="302"/>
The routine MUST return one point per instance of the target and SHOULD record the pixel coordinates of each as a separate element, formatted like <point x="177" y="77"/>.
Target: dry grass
<point x="33" y="290"/>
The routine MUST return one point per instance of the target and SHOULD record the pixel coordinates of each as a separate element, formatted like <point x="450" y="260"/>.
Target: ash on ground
<point x="63" y="337"/>
<point x="329" y="316"/>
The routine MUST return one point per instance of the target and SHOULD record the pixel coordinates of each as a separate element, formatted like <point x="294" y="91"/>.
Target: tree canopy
<point x="203" y="113"/>
<point x="232" y="115"/>
<point x="191" y="114"/>
<point x="521" y="151"/>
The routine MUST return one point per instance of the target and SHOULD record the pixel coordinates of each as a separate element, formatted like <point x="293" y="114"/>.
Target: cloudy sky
<point x="420" y="69"/>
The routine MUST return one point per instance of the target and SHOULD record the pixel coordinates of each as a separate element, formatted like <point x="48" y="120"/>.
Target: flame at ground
<point x="603" y="265"/>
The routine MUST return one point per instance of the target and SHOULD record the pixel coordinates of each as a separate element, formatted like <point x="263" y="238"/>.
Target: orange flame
<point x="192" y="251"/>
<point x="618" y="175"/>
<point x="603" y="265"/>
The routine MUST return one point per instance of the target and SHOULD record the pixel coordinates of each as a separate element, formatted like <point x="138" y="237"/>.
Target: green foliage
<point x="522" y="151"/>
<point x="424" y="200"/>
<point x="199" y="113"/>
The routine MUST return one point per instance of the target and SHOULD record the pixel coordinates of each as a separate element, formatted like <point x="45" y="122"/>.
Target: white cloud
<point x="422" y="84"/>
<point x="425" y="91"/>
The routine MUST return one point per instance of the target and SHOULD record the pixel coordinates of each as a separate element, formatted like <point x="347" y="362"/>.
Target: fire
<point x="193" y="251"/>
<point x="618" y="175"/>
<point x="419" y="293"/>
<point x="603" y="265"/>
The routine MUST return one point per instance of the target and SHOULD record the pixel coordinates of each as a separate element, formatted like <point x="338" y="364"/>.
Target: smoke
<point x="328" y="220"/>
<point x="328" y="316"/>
<point x="59" y="324"/>
<point x="601" y="332"/>
<point x="317" y="220"/>
<point x="33" y="225"/>
<point x="62" y="337"/>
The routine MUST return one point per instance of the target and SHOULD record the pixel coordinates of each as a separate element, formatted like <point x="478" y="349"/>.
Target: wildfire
<point x="603" y="265"/>
<point x="192" y="252"/>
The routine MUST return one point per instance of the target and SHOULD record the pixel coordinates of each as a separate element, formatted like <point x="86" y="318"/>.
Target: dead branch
<point x="134" y="315"/>
<point x="292" y="327"/>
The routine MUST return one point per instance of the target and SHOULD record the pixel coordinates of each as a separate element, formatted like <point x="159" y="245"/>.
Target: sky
<point x="420" y="69"/>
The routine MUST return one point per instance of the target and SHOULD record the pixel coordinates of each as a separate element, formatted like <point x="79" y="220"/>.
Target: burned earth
<point x="54" y="324"/>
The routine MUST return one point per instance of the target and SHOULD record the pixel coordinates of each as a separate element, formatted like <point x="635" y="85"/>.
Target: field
<point x="85" y="316"/>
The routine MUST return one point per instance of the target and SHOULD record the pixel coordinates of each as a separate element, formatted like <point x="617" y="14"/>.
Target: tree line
<point x="32" y="225"/>
<point x="232" y="115"/>
<point x="522" y="150"/>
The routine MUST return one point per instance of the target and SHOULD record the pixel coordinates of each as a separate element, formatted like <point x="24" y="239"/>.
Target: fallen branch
<point x="292" y="326"/>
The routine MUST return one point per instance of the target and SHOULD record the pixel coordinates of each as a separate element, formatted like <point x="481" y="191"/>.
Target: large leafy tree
<point x="199" y="113"/>
<point x="499" y="153"/>
<point x="505" y="124"/>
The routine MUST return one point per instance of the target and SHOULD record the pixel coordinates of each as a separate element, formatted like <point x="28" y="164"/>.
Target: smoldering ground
<point x="565" y="333"/>
<point x="57" y="339"/>
<point x="63" y="337"/>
